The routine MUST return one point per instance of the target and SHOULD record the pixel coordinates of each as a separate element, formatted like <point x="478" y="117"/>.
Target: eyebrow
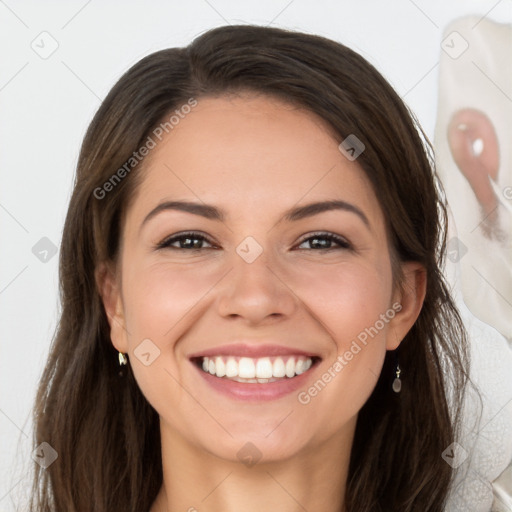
<point x="293" y="214"/>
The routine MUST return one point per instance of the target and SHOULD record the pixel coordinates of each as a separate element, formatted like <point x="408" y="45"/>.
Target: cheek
<point x="352" y="304"/>
<point x="346" y="298"/>
<point x="161" y="305"/>
<point x="160" y="297"/>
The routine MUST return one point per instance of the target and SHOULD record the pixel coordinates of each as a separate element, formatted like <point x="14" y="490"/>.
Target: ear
<point x="110" y="292"/>
<point x="410" y="296"/>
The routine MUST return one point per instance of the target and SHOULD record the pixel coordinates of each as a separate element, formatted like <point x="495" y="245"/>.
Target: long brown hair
<point x="105" y="432"/>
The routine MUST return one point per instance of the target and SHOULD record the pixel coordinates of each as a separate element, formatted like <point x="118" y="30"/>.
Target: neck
<point x="195" y="480"/>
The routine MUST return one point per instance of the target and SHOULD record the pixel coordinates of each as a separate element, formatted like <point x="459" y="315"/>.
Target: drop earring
<point x="397" y="383"/>
<point x="123" y="361"/>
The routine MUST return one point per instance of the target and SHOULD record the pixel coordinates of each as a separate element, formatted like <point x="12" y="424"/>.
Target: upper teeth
<point x="262" y="368"/>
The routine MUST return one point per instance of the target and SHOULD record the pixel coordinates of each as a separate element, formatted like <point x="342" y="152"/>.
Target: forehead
<point x="251" y="153"/>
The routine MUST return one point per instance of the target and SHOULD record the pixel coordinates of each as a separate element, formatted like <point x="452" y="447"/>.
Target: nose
<point x="256" y="292"/>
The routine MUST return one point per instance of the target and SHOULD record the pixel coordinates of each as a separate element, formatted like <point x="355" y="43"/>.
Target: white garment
<point x="487" y="432"/>
<point x="476" y="72"/>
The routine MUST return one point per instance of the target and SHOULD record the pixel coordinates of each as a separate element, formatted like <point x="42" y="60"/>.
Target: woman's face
<point x="257" y="284"/>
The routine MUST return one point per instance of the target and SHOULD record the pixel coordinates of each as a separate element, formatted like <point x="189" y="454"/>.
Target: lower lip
<point x="255" y="392"/>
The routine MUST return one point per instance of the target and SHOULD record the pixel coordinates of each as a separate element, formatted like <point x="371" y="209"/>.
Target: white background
<point x="46" y="105"/>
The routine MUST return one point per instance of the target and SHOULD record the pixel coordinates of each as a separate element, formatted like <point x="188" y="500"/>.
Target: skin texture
<point x="255" y="157"/>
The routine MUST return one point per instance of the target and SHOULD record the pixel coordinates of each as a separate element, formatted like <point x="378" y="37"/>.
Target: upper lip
<point x="254" y="351"/>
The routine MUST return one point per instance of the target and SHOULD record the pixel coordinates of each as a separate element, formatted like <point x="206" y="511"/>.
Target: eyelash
<point x="166" y="244"/>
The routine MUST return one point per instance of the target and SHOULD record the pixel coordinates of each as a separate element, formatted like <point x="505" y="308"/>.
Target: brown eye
<point x="325" y="240"/>
<point x="187" y="241"/>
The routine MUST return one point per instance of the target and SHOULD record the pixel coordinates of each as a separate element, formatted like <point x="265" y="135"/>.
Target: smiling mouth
<point x="250" y="370"/>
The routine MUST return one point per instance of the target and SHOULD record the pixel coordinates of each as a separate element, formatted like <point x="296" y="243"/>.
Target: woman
<point x="253" y="307"/>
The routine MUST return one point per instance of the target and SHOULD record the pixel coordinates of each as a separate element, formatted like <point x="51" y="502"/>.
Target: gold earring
<point x="122" y="359"/>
